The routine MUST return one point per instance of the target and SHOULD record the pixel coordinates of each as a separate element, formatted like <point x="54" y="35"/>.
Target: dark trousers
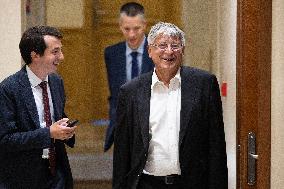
<point x="54" y="182"/>
<point x="57" y="182"/>
<point x="154" y="182"/>
<point x="46" y="181"/>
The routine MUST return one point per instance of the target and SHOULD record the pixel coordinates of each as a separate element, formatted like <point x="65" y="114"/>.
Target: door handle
<point x="252" y="157"/>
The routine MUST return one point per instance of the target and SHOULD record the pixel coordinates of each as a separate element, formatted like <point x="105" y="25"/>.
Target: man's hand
<point x="58" y="130"/>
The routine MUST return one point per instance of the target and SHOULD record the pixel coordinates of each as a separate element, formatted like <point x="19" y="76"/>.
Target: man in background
<point x="33" y="130"/>
<point x="126" y="60"/>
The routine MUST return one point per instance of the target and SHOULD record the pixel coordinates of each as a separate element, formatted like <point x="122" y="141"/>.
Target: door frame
<point x="254" y="25"/>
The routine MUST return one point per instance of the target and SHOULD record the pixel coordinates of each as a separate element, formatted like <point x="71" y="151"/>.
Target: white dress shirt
<point x="165" y="105"/>
<point x="37" y="92"/>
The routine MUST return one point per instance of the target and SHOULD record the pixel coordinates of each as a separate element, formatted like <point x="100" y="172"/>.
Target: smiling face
<point x="166" y="60"/>
<point x="133" y="29"/>
<point x="52" y="56"/>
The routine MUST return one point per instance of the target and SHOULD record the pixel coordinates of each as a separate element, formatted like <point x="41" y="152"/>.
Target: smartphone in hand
<point x="72" y="123"/>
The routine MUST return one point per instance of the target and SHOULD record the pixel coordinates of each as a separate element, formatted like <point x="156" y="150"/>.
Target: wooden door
<point x="253" y="92"/>
<point x="83" y="69"/>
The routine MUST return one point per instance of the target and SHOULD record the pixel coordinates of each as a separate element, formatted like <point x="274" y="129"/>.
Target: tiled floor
<point x="91" y="167"/>
<point x="92" y="185"/>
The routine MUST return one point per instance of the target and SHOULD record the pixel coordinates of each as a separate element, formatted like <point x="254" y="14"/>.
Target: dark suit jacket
<point x="21" y="138"/>
<point x="115" y="61"/>
<point x="202" y="149"/>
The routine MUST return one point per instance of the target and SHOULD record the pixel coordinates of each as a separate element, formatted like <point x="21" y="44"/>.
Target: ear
<point x="120" y="24"/>
<point x="183" y="51"/>
<point x="144" y="24"/>
<point x="120" y="27"/>
<point x="34" y="55"/>
<point x="149" y="51"/>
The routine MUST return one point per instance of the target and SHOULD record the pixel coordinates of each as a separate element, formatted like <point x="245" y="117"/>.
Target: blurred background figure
<point x="126" y="60"/>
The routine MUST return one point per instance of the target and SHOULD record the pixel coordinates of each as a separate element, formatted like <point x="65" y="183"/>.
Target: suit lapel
<point x="143" y="102"/>
<point x="188" y="99"/>
<point x="27" y="95"/>
<point x="122" y="63"/>
<point x="145" y="59"/>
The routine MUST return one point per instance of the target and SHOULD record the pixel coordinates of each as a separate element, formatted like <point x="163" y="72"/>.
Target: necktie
<point x="47" y="118"/>
<point x="134" y="70"/>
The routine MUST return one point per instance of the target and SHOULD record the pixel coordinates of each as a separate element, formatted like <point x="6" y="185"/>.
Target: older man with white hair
<point x="170" y="131"/>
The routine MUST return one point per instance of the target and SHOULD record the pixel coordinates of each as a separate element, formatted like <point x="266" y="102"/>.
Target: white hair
<point x="165" y="29"/>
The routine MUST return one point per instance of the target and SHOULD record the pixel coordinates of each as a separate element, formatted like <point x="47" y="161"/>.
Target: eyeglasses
<point x="165" y="46"/>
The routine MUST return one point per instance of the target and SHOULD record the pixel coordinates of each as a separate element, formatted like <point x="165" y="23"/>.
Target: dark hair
<point x="132" y="9"/>
<point x="33" y="40"/>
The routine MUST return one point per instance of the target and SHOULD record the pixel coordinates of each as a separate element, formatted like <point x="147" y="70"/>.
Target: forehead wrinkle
<point x="165" y="38"/>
